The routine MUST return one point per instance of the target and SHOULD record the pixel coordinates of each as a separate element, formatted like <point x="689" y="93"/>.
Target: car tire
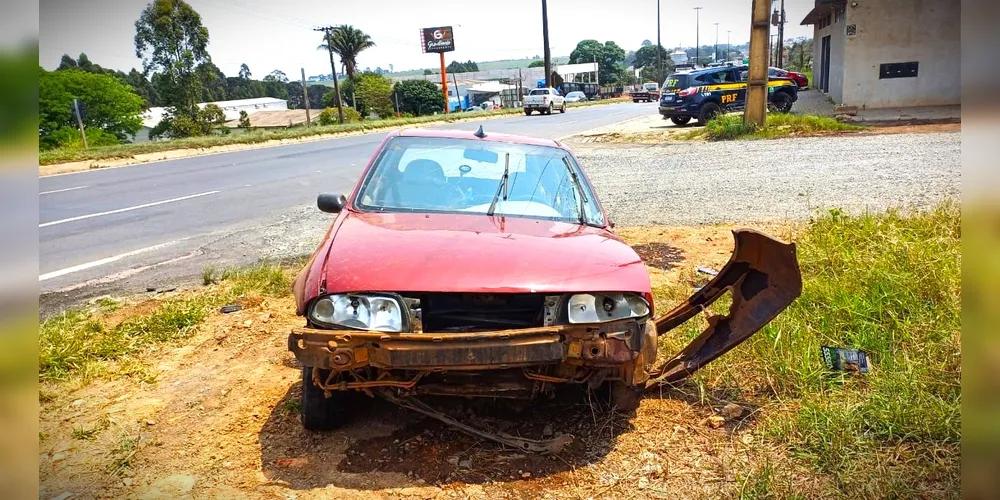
<point x="321" y="413"/>
<point x="635" y="100"/>
<point x="624" y="397"/>
<point x="709" y="110"/>
<point x="562" y="109"/>
<point x="782" y="102"/>
<point x="549" y="111"/>
<point x="680" y="121"/>
<point x="527" y="112"/>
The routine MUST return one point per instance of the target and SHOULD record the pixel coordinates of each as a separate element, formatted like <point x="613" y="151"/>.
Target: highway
<point x="98" y="224"/>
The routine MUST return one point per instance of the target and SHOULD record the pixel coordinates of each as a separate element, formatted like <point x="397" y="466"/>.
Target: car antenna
<point x="479" y="133"/>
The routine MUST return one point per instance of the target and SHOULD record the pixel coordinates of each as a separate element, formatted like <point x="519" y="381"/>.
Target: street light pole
<point x="728" y="45"/>
<point x="659" y="61"/>
<point x="715" y="55"/>
<point x="697" y="41"/>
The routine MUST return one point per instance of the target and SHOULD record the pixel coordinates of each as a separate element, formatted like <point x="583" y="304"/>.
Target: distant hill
<point x="483" y="66"/>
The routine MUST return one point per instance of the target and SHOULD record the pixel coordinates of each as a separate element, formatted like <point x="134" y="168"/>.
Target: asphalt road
<point x="103" y="225"/>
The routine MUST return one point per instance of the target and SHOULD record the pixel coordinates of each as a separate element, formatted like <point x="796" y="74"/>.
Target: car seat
<point x="422" y="185"/>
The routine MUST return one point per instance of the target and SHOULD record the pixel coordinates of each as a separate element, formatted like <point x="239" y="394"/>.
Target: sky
<point x="269" y="35"/>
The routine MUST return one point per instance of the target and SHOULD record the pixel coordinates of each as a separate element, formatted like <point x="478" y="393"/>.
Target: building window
<point x="898" y="70"/>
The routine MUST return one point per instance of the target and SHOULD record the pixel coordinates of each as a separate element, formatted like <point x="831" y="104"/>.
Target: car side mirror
<point x="331" y="203"/>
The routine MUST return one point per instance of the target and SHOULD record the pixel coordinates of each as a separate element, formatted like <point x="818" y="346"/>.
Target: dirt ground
<point x="221" y="421"/>
<point x="653" y="129"/>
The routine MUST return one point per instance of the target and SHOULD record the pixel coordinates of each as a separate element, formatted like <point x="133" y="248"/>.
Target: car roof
<point x="490" y="136"/>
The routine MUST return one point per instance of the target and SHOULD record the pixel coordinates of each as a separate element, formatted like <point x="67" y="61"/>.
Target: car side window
<point x="743" y="75"/>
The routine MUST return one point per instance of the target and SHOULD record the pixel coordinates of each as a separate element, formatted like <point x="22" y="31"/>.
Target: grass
<point x="84" y="343"/>
<point x="889" y="284"/>
<point x="731" y="127"/>
<point x="57" y="156"/>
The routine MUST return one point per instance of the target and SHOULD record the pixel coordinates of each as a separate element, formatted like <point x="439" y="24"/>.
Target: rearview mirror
<point x="481" y="155"/>
<point x="331" y="203"/>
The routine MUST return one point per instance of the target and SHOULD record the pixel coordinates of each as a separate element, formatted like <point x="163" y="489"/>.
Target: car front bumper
<point x="608" y="345"/>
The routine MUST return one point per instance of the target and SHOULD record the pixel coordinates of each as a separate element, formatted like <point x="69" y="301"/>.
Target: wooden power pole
<point x="305" y="97"/>
<point x="79" y="122"/>
<point x="333" y="67"/>
<point x="545" y="46"/>
<point x="659" y="57"/>
<point x="756" y="107"/>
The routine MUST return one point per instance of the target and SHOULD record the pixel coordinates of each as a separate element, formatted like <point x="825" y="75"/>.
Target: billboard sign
<point x="437" y="39"/>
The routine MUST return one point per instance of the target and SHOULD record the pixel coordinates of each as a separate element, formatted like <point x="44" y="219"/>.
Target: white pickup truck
<point x="544" y="101"/>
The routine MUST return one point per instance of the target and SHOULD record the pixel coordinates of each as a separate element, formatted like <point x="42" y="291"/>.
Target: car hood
<point x="477" y="253"/>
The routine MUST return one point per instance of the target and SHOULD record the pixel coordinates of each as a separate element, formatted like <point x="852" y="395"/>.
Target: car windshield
<point x="462" y="176"/>
<point x="575" y="94"/>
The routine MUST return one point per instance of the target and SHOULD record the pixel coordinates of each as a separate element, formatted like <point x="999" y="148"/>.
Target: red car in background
<point x="474" y="264"/>
<point x="800" y="79"/>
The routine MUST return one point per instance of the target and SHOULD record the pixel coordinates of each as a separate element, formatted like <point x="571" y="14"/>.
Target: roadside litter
<point x="845" y="360"/>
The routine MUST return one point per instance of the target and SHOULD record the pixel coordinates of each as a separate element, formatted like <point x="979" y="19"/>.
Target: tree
<point x="419" y="97"/>
<point x="108" y="105"/>
<point x="245" y="71"/>
<point x="244" y="120"/>
<point x="212" y="81"/>
<point x="66" y="62"/>
<point x="428" y="72"/>
<point x="536" y="64"/>
<point x="274" y="85"/>
<point x="646" y="56"/>
<point x="347" y="42"/>
<point x="800" y="56"/>
<point x="170" y="38"/>
<point x="646" y="43"/>
<point x="462" y="67"/>
<point x="609" y="57"/>
<point x="373" y="93"/>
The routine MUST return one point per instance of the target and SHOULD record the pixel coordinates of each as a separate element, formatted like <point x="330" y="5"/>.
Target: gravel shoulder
<point x="697" y="183"/>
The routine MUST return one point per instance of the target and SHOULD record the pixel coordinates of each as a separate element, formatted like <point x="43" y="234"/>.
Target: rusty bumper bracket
<point x="550" y="446"/>
<point x="763" y="274"/>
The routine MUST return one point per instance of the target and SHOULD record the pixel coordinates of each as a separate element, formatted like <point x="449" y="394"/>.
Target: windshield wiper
<point x="579" y="189"/>
<point x="502" y="186"/>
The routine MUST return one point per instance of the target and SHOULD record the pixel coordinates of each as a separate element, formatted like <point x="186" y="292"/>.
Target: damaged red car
<point x="480" y="264"/>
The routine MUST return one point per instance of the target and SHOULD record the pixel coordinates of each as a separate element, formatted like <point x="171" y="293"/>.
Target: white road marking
<point x="61" y="190"/>
<point x="120" y="210"/>
<point x="101" y="262"/>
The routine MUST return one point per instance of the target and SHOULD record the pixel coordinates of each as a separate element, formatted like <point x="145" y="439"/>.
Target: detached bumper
<point x="608" y="345"/>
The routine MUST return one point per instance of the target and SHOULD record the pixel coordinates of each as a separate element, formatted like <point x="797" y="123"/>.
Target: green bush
<point x="329" y="116"/>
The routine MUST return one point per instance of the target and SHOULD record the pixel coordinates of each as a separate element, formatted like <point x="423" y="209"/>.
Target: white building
<point x="152" y="117"/>
<point x="887" y="53"/>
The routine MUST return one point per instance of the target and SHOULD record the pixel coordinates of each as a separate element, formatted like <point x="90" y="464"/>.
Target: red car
<point x="800" y="79"/>
<point x="480" y="264"/>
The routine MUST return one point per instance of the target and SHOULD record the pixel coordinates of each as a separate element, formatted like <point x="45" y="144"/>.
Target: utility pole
<point x="715" y="55"/>
<point x="79" y="122"/>
<point x="333" y="67"/>
<point x="728" y="46"/>
<point x="455" y="80"/>
<point x="756" y="103"/>
<point x="659" y="48"/>
<point x="305" y="96"/>
<point x="781" y="37"/>
<point x="545" y="43"/>
<point x="697" y="41"/>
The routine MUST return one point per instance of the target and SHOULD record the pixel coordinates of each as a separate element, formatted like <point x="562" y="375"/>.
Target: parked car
<point x="544" y="100"/>
<point x="702" y="94"/>
<point x="800" y="79"/>
<point x="576" y="96"/>
<point x="484" y="265"/>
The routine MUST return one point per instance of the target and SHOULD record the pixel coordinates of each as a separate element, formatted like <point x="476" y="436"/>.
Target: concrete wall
<point x="893" y="31"/>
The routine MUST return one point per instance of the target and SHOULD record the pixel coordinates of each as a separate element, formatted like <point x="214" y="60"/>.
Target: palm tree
<point x="347" y="42"/>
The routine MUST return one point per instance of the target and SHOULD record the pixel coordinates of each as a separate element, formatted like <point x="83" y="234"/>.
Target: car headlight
<point x="602" y="307"/>
<point x="381" y="313"/>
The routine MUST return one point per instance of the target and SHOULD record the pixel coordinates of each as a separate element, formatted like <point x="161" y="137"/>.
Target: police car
<point x="704" y="93"/>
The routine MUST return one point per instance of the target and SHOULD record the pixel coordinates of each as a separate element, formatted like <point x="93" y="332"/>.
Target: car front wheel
<point x="527" y="112"/>
<point x="321" y="413"/>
